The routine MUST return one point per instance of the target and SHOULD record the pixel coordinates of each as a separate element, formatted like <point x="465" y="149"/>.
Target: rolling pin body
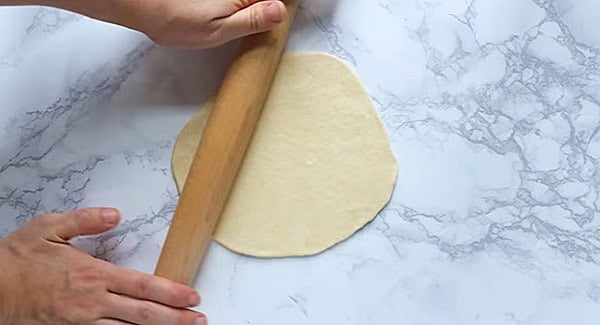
<point x="221" y="151"/>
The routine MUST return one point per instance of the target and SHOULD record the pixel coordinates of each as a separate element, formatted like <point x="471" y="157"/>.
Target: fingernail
<point x="200" y="321"/>
<point x="194" y="300"/>
<point x="274" y="13"/>
<point x="110" y="216"/>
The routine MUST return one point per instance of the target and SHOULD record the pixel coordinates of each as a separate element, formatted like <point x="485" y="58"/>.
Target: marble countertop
<point x="492" y="107"/>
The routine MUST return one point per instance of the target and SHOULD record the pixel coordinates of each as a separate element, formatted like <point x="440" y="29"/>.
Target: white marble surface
<point x="492" y="107"/>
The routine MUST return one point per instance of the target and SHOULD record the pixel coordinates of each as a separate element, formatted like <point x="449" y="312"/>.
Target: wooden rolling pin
<point x="221" y="151"/>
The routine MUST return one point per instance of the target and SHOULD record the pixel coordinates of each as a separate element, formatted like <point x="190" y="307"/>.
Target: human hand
<point x="45" y="280"/>
<point x="185" y="23"/>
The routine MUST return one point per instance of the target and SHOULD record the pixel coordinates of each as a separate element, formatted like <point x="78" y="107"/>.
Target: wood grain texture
<point x="221" y="151"/>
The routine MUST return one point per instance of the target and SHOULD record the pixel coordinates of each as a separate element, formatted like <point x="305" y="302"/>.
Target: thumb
<point x="65" y="226"/>
<point x="259" y="17"/>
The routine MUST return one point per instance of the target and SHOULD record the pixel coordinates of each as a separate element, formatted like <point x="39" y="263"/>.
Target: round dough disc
<point x="319" y="166"/>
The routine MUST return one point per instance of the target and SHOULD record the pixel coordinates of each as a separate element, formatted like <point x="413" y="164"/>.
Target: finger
<point x="149" y="313"/>
<point x="64" y="226"/>
<point x="259" y="17"/>
<point x="106" y="321"/>
<point x="147" y="287"/>
<point x="228" y="8"/>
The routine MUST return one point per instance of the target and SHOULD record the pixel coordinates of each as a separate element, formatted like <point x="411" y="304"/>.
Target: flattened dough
<point x="319" y="166"/>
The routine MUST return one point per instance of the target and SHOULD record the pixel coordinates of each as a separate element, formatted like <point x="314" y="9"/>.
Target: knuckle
<point x="245" y="3"/>
<point x="143" y="285"/>
<point x="84" y="215"/>
<point x="81" y="213"/>
<point x="87" y="275"/>
<point x="144" y="311"/>
<point x="174" y="294"/>
<point x="43" y="224"/>
<point x="255" y="19"/>
<point x="44" y="220"/>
